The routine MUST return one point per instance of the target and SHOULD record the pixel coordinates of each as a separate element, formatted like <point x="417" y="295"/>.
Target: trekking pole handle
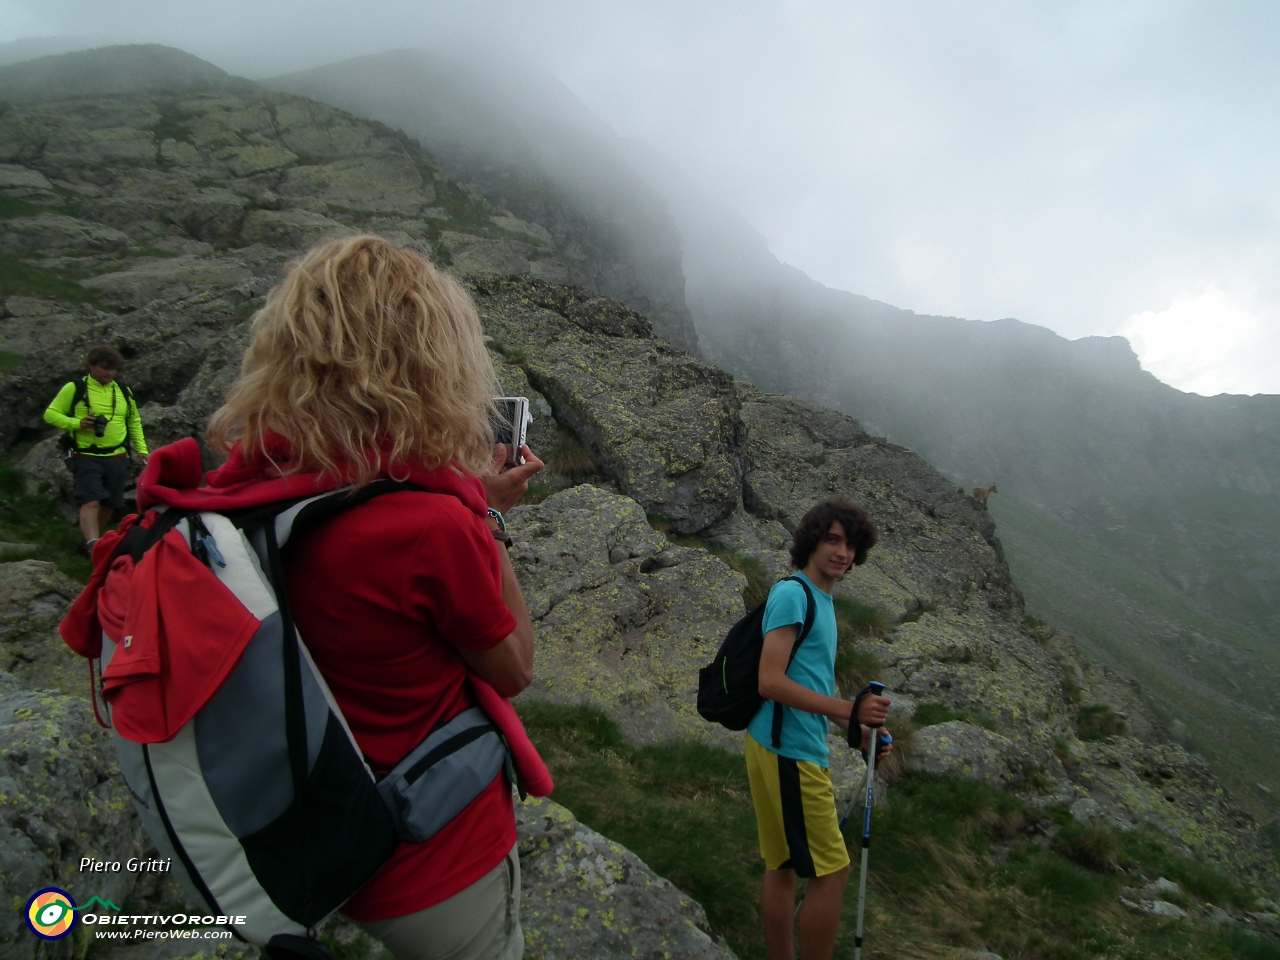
<point x="872" y="689"/>
<point x="876" y="688"/>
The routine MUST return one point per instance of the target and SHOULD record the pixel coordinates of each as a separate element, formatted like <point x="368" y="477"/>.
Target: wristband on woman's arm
<point x="500" y="532"/>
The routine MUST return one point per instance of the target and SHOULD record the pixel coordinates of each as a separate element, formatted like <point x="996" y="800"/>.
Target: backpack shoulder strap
<point x="79" y="395"/>
<point x="809" y="611"/>
<point x="139" y="539"/>
<point x="778" y="711"/>
<point x="292" y="518"/>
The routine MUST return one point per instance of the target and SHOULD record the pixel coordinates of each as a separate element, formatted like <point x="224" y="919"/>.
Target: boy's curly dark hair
<point x="859" y="530"/>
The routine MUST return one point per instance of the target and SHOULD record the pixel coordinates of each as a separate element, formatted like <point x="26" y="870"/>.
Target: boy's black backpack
<point x="729" y="686"/>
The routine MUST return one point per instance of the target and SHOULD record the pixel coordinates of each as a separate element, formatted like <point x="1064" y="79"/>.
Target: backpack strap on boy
<point x="804" y="632"/>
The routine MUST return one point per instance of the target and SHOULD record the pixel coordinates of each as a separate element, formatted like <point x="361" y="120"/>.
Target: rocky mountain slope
<point x="1142" y="519"/>
<point x="524" y="141"/>
<point x="158" y="222"/>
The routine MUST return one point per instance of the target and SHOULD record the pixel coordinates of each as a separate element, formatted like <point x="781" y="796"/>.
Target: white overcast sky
<point x="1094" y="167"/>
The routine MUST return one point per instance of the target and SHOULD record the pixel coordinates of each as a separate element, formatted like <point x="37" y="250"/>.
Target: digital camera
<point x="510" y="419"/>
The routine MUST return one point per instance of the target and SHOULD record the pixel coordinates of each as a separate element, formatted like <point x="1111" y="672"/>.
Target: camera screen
<point x="501" y="419"/>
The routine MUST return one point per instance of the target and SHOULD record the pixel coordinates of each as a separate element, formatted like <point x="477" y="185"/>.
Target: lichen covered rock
<point x="968" y="752"/>
<point x="61" y="799"/>
<point x="34" y="596"/>
<point x="586" y="896"/>
<point x="662" y="424"/>
<point x="622" y="618"/>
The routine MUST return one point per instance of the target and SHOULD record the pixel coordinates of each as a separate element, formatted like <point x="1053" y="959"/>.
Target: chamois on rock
<point x="981" y="493"/>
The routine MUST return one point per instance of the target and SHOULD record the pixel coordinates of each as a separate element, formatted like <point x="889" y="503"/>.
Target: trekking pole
<point x="884" y="739"/>
<point x="876" y="690"/>
<point x="860" y="790"/>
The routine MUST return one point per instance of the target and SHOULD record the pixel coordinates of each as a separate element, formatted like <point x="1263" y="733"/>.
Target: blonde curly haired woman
<point x="368" y="362"/>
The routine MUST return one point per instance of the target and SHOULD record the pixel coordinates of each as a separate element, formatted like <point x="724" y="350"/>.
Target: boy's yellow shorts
<point x="795" y="814"/>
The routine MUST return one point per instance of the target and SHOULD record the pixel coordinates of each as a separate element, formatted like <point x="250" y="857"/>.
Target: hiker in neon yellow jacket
<point x="99" y="456"/>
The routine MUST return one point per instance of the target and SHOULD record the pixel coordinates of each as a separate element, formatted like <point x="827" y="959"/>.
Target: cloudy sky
<point x="1094" y="167"/>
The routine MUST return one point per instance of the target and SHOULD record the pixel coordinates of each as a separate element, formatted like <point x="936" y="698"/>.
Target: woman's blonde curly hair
<point x="364" y="350"/>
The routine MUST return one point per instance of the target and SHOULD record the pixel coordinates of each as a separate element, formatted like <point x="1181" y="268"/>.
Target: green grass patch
<point x="1090" y="845"/>
<point x="685" y="809"/>
<point x="469" y="211"/>
<point x="1148" y="851"/>
<point x="759" y="583"/>
<point x="13" y="207"/>
<point x="855" y="618"/>
<point x="1098" y="722"/>
<point x="570" y="458"/>
<point x="931" y="714"/>
<point x="28" y="518"/>
<point x="1040" y="629"/>
<point x="856" y="666"/>
<point x="10" y="360"/>
<point x="24" y="280"/>
<point x="146" y="250"/>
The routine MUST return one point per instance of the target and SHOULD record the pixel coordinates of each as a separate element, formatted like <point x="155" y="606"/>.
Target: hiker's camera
<point x="100" y="425"/>
<point x="510" y="419"/>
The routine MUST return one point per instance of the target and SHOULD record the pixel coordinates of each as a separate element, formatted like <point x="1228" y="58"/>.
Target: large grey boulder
<point x="27" y="323"/>
<point x="968" y="752"/>
<point x="663" y="425"/>
<point x="34" y="597"/>
<point x="622" y="618"/>
<point x="61" y="800"/>
<point x="586" y="896"/>
<point x="54" y="233"/>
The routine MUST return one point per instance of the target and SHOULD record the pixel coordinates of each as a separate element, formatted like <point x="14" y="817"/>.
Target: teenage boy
<point x="99" y="458"/>
<point x="790" y="783"/>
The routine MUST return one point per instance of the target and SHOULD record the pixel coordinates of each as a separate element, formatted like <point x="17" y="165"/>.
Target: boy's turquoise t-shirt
<point x="804" y="735"/>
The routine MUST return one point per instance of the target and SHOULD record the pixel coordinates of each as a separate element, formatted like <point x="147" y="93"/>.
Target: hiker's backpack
<point x="263" y="800"/>
<point x="729" y="686"/>
<point x="67" y="442"/>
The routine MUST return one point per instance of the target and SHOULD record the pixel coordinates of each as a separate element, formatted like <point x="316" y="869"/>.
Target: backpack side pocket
<point x="443" y="774"/>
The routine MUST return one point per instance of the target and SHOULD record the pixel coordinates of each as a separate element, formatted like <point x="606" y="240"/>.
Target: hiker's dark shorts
<point x="100" y="479"/>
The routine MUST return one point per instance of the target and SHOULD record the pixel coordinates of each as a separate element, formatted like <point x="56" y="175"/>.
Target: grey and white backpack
<point x="263" y="800"/>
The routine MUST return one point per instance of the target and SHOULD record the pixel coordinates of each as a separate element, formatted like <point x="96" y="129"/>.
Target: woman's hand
<point x="506" y="485"/>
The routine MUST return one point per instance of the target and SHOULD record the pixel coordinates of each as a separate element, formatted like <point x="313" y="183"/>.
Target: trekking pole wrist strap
<point x="855" y="727"/>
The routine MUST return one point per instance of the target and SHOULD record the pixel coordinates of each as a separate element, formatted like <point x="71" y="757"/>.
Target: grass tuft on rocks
<point x="931" y="714"/>
<point x="29" y="518"/>
<point x="759" y="583"/>
<point x="1090" y="845"/>
<point x="1098" y="722"/>
<point x="570" y="458"/>
<point x="855" y="618"/>
<point x="954" y="865"/>
<point x="24" y="280"/>
<point x="856" y="666"/>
